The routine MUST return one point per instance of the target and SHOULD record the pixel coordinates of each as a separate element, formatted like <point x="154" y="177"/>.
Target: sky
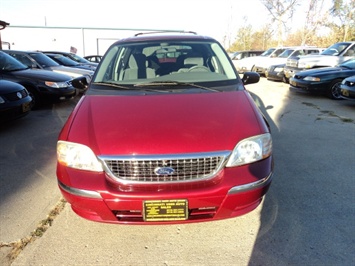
<point x="210" y="17"/>
<point x="215" y="18"/>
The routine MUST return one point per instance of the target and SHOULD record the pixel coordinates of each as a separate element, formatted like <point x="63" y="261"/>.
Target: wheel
<point x="36" y="99"/>
<point x="198" y="68"/>
<point x="284" y="79"/>
<point x="334" y="90"/>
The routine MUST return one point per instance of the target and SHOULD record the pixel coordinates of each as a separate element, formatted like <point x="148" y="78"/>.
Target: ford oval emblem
<point x="19" y="95"/>
<point x="164" y="171"/>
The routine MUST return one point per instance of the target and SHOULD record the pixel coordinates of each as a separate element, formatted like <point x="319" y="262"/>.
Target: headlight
<point x="1" y="100"/>
<point x="77" y="156"/>
<point x="251" y="150"/>
<point x="312" y="78"/>
<point x="56" y="84"/>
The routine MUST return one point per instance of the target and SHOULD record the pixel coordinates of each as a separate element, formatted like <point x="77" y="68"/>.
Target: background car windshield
<point x="268" y="52"/>
<point x="335" y="49"/>
<point x="349" y="64"/>
<point x="182" y="61"/>
<point x="8" y="63"/>
<point x="65" y="60"/>
<point x="43" y="60"/>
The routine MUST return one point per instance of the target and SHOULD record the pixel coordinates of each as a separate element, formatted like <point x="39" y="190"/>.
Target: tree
<point x="281" y="11"/>
<point x="314" y="20"/>
<point x="343" y="11"/>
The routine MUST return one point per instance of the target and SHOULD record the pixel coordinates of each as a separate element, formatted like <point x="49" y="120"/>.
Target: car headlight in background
<point x="57" y="85"/>
<point x="312" y="78"/>
<point x="77" y="156"/>
<point x="251" y="150"/>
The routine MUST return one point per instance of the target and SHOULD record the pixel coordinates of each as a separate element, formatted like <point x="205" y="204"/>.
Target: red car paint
<point x="159" y="125"/>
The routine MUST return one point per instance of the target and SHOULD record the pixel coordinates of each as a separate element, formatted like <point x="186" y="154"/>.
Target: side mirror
<point x="250" y="78"/>
<point x="80" y="83"/>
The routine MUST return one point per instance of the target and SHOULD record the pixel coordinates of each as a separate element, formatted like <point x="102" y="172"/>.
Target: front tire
<point x="334" y="90"/>
<point x="36" y="99"/>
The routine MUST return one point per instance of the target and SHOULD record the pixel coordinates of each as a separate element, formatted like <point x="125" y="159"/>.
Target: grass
<point x="19" y="245"/>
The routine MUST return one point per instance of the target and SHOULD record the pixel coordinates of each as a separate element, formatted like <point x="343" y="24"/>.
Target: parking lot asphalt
<point x="307" y="217"/>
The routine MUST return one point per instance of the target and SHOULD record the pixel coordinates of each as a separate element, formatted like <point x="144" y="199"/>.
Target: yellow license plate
<point x="26" y="107"/>
<point x="345" y="92"/>
<point x="165" y="210"/>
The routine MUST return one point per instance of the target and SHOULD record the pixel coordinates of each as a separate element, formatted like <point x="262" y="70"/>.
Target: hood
<point x="71" y="71"/>
<point x="164" y="124"/>
<point x="320" y="71"/>
<point x="38" y="74"/>
<point x="9" y="87"/>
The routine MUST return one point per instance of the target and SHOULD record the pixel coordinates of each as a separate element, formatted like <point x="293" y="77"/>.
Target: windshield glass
<point x="43" y="60"/>
<point x="178" y="61"/>
<point x="286" y="53"/>
<point x="335" y="49"/>
<point x="8" y="63"/>
<point x="64" y="60"/>
<point x="268" y="52"/>
<point x="349" y="64"/>
<point x="79" y="59"/>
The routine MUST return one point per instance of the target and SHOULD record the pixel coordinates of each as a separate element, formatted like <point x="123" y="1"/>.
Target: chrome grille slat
<point x="188" y="167"/>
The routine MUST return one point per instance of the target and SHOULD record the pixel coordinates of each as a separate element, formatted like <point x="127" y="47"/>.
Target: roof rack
<point x="162" y="31"/>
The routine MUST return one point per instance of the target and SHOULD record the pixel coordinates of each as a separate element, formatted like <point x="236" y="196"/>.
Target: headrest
<point x="198" y="61"/>
<point x="137" y="60"/>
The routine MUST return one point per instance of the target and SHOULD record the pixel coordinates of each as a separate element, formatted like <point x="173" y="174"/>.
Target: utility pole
<point x="3" y="25"/>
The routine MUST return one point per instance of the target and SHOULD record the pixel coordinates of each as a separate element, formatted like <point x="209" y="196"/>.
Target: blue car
<point x="325" y="80"/>
<point x="347" y="88"/>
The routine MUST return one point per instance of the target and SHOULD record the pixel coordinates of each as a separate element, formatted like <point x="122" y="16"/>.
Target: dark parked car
<point x="93" y="58"/>
<point x="15" y="102"/>
<point x="324" y="80"/>
<point x="42" y="85"/>
<point x="183" y="143"/>
<point x="74" y="57"/>
<point x="347" y="88"/>
<point x="276" y="73"/>
<point x="65" y="61"/>
<point x="38" y="60"/>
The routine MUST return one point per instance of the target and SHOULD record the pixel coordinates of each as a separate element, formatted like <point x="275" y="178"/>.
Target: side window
<point x="350" y="52"/>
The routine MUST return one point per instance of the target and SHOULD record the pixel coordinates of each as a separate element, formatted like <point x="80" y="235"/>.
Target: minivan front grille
<point x="167" y="168"/>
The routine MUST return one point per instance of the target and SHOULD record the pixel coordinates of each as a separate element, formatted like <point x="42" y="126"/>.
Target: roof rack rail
<point x="162" y="31"/>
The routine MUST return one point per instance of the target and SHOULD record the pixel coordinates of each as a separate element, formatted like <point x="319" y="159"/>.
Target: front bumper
<point x="347" y="92"/>
<point x="309" y="86"/>
<point x="226" y="199"/>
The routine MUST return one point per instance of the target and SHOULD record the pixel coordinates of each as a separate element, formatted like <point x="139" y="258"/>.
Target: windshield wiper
<point x="112" y="85"/>
<point x="124" y="87"/>
<point x="174" y="83"/>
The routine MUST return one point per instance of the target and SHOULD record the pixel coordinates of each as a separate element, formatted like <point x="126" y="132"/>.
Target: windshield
<point x="286" y="53"/>
<point x="79" y="59"/>
<point x="8" y="63"/>
<point x="178" y="61"/>
<point x="43" y="60"/>
<point x="335" y="49"/>
<point x="64" y="60"/>
<point x="348" y="64"/>
<point x="268" y="52"/>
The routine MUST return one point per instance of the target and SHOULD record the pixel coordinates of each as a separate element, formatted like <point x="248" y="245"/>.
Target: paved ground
<point x="307" y="218"/>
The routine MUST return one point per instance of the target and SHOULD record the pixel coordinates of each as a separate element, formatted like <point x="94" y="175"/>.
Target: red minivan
<point x="162" y="142"/>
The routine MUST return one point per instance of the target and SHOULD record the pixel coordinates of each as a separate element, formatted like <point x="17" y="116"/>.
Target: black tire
<point x="334" y="90"/>
<point x="36" y="99"/>
<point x="284" y="79"/>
